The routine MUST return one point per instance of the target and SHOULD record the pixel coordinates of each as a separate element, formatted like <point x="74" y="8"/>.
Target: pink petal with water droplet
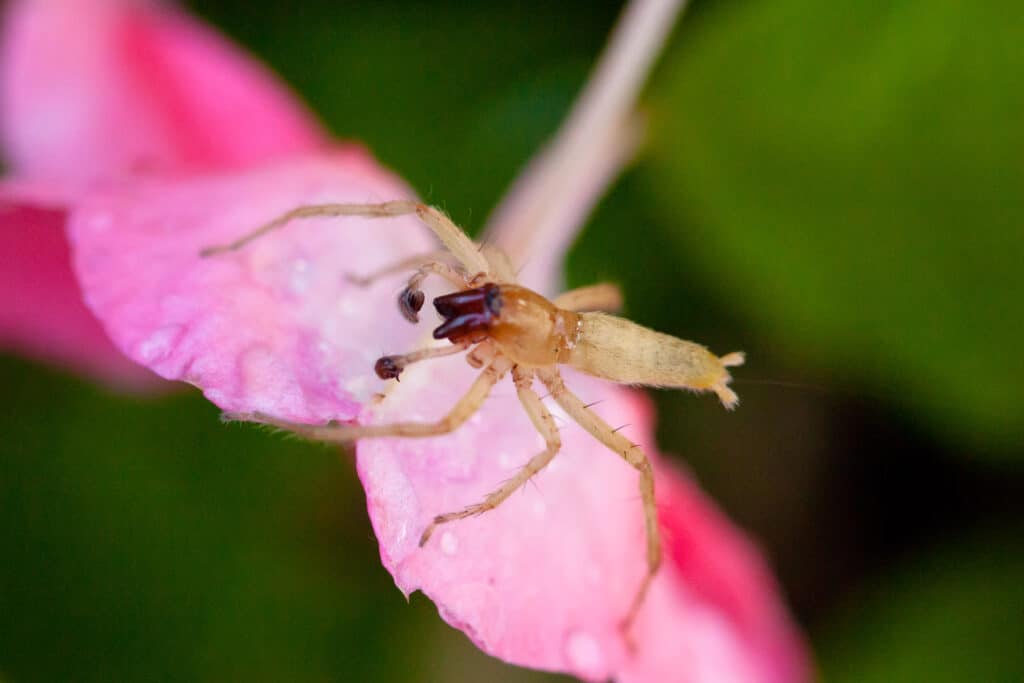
<point x="544" y="580"/>
<point x="93" y="88"/>
<point x="275" y="327"/>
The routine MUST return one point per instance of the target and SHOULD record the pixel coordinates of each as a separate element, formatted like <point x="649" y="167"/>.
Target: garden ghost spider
<point x="507" y="328"/>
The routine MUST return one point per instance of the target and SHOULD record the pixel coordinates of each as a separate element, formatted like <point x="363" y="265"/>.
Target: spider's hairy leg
<point x="401" y="266"/>
<point x="410" y="299"/>
<point x="604" y="296"/>
<point x="390" y="367"/>
<point x="545" y="424"/>
<point x="481" y="354"/>
<point x="501" y="265"/>
<point x="345" y="433"/>
<point x="633" y="455"/>
<point x="454" y="240"/>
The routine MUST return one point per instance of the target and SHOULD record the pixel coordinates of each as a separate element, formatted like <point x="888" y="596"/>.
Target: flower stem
<point x="546" y="206"/>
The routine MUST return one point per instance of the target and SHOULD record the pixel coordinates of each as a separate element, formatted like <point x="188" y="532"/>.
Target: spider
<point x="506" y="328"/>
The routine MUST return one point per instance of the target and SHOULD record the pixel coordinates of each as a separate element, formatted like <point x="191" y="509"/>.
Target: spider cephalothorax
<point x="526" y="327"/>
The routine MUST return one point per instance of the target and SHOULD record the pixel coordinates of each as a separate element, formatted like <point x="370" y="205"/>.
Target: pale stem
<point x="544" y="209"/>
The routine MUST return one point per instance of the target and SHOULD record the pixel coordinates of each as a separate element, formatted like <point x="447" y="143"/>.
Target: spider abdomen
<point x="622" y="351"/>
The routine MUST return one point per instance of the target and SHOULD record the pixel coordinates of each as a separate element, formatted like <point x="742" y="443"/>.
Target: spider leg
<point x="390" y="367"/>
<point x="454" y="240"/>
<point x="545" y="424"/>
<point x="501" y="266"/>
<point x="345" y="433"/>
<point x="482" y="354"/>
<point x="633" y="455"/>
<point x="603" y="296"/>
<point x="410" y="300"/>
<point x="401" y="266"/>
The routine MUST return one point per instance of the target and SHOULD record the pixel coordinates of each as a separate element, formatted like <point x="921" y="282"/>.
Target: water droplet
<point x="584" y="654"/>
<point x="449" y="543"/>
<point x="300" y="276"/>
<point x="540" y="508"/>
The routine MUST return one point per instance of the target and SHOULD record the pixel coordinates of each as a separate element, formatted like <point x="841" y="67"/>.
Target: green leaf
<point x="850" y="175"/>
<point x="954" y="616"/>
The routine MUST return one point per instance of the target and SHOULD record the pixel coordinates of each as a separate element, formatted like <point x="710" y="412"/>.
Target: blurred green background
<point x="834" y="187"/>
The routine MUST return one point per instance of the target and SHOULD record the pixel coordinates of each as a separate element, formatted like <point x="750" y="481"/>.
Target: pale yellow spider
<point x="509" y="328"/>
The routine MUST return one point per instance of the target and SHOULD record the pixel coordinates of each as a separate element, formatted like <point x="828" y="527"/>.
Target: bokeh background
<point x="834" y="187"/>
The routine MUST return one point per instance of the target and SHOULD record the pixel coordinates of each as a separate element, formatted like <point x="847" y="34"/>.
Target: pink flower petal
<point x="544" y="580"/>
<point x="275" y="327"/>
<point x="723" y="568"/>
<point x="42" y="314"/>
<point x="93" y="88"/>
<point x="99" y="88"/>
